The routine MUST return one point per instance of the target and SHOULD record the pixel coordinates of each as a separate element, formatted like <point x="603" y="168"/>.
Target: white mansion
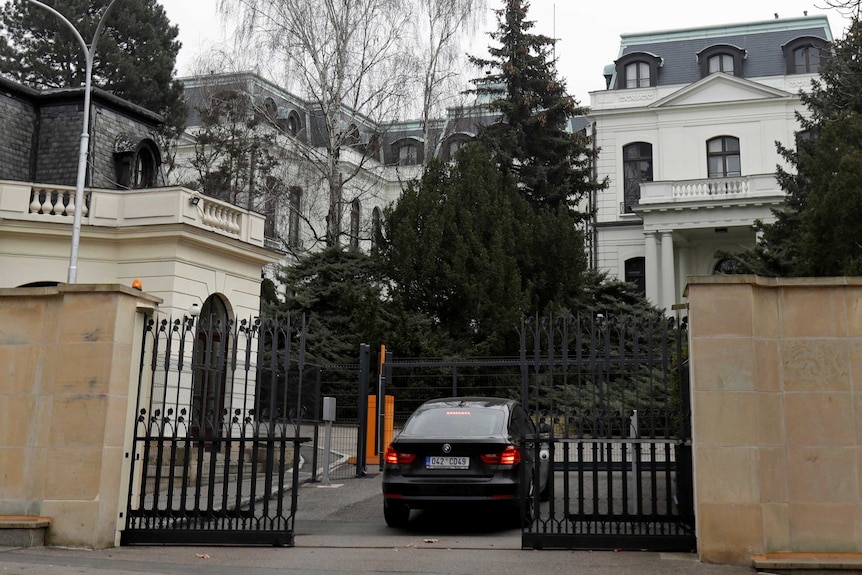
<point x="687" y="131"/>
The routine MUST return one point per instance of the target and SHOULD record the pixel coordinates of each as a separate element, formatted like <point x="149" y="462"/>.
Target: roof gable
<point x="720" y="88"/>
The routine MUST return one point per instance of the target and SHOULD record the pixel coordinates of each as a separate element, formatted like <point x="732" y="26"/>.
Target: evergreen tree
<point x="135" y="54"/>
<point x="349" y="301"/>
<point x="817" y="232"/>
<point x="454" y="243"/>
<point x="534" y="140"/>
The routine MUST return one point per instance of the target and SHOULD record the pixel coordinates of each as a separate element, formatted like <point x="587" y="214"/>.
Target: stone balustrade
<point x="742" y="189"/>
<point x="35" y="203"/>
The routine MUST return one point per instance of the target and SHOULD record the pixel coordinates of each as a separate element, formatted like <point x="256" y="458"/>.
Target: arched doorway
<point x="209" y="364"/>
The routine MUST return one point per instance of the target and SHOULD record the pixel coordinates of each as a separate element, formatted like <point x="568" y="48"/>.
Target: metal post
<point x="362" y="404"/>
<point x="328" y="418"/>
<point x="89" y="55"/>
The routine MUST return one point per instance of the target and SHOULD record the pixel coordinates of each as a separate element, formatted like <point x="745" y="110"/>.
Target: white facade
<point x="182" y="252"/>
<point x="684" y="214"/>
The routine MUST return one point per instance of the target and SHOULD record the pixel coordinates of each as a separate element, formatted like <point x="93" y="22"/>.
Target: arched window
<point x="290" y="125"/>
<point x="637" y="70"/>
<point x="137" y="163"/>
<point x="805" y="55"/>
<point x="143" y="169"/>
<point x="721" y="58"/>
<point x="453" y="144"/>
<point x="637" y="168"/>
<point x="294" y="203"/>
<point x="376" y="228"/>
<point x="722" y="157"/>
<point x="354" y="224"/>
<point x="270" y="110"/>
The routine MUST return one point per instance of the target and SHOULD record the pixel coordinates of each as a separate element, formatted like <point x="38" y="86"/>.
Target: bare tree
<point x="347" y="59"/>
<point x="440" y="26"/>
<point x="853" y="8"/>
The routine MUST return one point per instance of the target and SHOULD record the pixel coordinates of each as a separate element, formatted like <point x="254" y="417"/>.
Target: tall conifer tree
<point x="135" y="54"/>
<point x="817" y="231"/>
<point x="534" y="139"/>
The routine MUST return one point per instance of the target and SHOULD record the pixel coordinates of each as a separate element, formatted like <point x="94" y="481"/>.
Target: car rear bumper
<point x="423" y="493"/>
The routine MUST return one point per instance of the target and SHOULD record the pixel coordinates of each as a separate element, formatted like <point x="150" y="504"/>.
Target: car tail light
<point x="509" y="456"/>
<point x="393" y="457"/>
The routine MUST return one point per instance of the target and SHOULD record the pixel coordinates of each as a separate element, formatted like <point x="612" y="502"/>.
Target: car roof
<point x="486" y="402"/>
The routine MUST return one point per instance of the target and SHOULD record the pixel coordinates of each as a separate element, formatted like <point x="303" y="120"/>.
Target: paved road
<point x="340" y="531"/>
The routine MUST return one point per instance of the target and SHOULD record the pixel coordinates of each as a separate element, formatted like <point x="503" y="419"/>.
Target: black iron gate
<point x="217" y="440"/>
<point x="612" y="395"/>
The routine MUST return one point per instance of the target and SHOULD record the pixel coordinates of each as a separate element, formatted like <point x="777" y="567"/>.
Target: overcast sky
<point x="588" y="31"/>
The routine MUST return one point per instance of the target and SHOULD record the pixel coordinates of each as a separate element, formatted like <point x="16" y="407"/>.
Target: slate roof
<point x="761" y="41"/>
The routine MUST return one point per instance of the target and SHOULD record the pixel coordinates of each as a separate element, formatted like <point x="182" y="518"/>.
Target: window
<point x="637" y="75"/>
<point x="294" y="207"/>
<point x="290" y="125"/>
<point x="722" y="157"/>
<point x="805" y="55"/>
<point x="354" y="224"/>
<point x="137" y="164"/>
<point x="637" y="70"/>
<point x="721" y="63"/>
<point x="408" y="154"/>
<point x="721" y="58"/>
<point x="376" y="229"/>
<point x="454" y="144"/>
<point x="635" y="269"/>
<point x="351" y="135"/>
<point x="270" y="110"/>
<point x="143" y="169"/>
<point x="637" y="168"/>
<point x="806" y="60"/>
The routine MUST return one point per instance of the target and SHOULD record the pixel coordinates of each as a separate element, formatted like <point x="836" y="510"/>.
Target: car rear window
<point x="455" y="422"/>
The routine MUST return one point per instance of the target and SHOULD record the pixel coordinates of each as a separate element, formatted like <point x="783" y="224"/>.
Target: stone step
<point x="808" y="563"/>
<point x="23" y="530"/>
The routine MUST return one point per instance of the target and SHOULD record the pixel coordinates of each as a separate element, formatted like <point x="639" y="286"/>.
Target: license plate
<point x="446" y="462"/>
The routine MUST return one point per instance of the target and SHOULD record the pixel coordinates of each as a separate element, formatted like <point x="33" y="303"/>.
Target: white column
<point x="651" y="267"/>
<point x="668" y="279"/>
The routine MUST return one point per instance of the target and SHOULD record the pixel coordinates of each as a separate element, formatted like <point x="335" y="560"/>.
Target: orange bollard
<point x="371" y="457"/>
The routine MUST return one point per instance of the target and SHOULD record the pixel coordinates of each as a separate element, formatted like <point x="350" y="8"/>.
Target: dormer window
<point x="291" y="125"/>
<point x="805" y="55"/>
<point x="637" y="70"/>
<point x="454" y="143"/>
<point x="137" y="163"/>
<point x="408" y="152"/>
<point x="721" y="58"/>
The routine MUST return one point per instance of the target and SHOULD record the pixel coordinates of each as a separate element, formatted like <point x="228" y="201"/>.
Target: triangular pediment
<point x="720" y="88"/>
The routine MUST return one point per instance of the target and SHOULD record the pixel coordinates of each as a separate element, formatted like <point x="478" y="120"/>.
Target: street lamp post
<point x="89" y="54"/>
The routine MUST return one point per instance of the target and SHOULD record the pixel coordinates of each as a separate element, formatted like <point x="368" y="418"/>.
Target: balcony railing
<point x="741" y="189"/>
<point x="121" y="208"/>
